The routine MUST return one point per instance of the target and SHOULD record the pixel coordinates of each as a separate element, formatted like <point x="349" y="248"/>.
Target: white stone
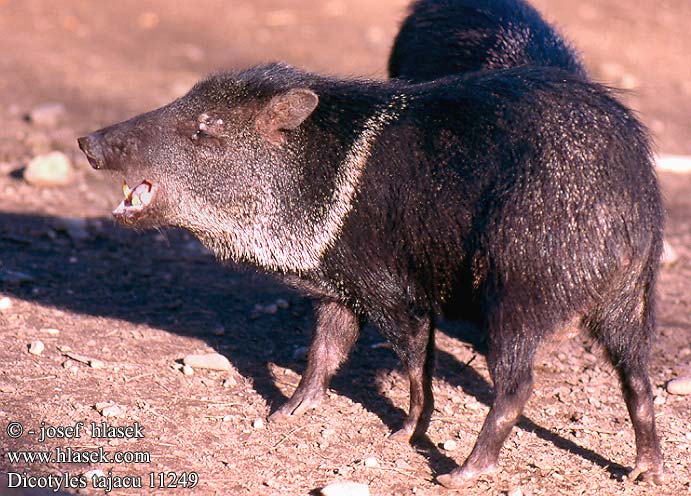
<point x="210" y="361"/>
<point x="5" y="303"/>
<point x="345" y="488"/>
<point x="36" y="347"/>
<point x="50" y="169"/>
<point x="680" y="386"/>
<point x="450" y="445"/>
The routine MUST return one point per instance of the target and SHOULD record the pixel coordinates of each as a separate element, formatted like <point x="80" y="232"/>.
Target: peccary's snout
<point x="92" y="146"/>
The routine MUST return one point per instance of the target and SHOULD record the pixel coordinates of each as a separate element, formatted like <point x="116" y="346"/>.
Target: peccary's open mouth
<point x="136" y="201"/>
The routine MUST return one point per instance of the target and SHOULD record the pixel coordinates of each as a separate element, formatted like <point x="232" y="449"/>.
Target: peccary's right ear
<point x="285" y="112"/>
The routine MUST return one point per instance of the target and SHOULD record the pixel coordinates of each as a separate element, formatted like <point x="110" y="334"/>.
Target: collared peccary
<point x="526" y="197"/>
<point x="446" y="37"/>
<point x="441" y="38"/>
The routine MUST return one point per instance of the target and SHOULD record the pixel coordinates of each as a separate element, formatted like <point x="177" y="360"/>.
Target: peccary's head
<point x="230" y="162"/>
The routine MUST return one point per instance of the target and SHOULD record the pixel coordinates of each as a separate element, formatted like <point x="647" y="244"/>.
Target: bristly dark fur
<point x="520" y="199"/>
<point x="444" y="37"/>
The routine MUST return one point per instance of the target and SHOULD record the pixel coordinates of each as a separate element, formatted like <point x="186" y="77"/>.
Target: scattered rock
<point x="93" y="473"/>
<point x="50" y="169"/>
<point x="219" y="330"/>
<point x="187" y="370"/>
<point x="327" y="433"/>
<point x="92" y="362"/>
<point x="51" y="331"/>
<point x="258" y="423"/>
<point x="384" y="344"/>
<point x="14" y="277"/>
<point x="109" y="409"/>
<point x="680" y="386"/>
<point x="5" y="303"/>
<point x="473" y="405"/>
<point x="300" y="353"/>
<point x="96" y="364"/>
<point x="345" y="488"/>
<point x="371" y="462"/>
<point x="669" y="254"/>
<point x="229" y="382"/>
<point x="450" y="445"/>
<point x="281" y="303"/>
<point x="36" y="347"/>
<point x="76" y="228"/>
<point x="515" y="491"/>
<point x="210" y="361"/>
<point x="271" y="309"/>
<point x="47" y="114"/>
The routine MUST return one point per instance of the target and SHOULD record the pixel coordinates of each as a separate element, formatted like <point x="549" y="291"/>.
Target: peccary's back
<point x="527" y="177"/>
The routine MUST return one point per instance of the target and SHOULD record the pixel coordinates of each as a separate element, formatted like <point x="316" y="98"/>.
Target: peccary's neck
<point x="301" y="211"/>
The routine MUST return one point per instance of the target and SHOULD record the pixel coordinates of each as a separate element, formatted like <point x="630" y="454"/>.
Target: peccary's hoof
<point x="403" y="435"/>
<point x="465" y="475"/>
<point x="296" y="406"/>
<point x="651" y="476"/>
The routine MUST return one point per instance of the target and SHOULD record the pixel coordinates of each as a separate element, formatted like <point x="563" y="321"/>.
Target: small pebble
<point x="371" y="462"/>
<point x="74" y="227"/>
<point x="345" y="488"/>
<point x="680" y="386"/>
<point x="473" y="405"/>
<point x="669" y="254"/>
<point x="50" y="169"/>
<point x="187" y="370"/>
<point x="5" y="303"/>
<point x="327" y="433"/>
<point x="108" y="409"/>
<point x="210" y="361"/>
<point x="51" y="331"/>
<point x="271" y="309"/>
<point x="300" y="353"/>
<point x="14" y="277"/>
<point x="94" y="363"/>
<point x="91" y="473"/>
<point x="36" y="347"/>
<point x="515" y="491"/>
<point x="258" y="423"/>
<point x="281" y="303"/>
<point x="47" y="114"/>
<point x="229" y="382"/>
<point x="450" y="445"/>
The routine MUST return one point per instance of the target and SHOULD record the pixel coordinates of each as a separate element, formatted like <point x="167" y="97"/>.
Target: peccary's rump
<point x="523" y="200"/>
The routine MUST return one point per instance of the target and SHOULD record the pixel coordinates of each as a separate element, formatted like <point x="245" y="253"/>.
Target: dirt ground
<point x="139" y="302"/>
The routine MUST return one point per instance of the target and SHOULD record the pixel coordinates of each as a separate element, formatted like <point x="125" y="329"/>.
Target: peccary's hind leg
<point x="625" y="330"/>
<point x="511" y="349"/>
<point x="336" y="331"/>
<point x="414" y="344"/>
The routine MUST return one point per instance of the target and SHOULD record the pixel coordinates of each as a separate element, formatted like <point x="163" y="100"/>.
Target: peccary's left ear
<point x="285" y="112"/>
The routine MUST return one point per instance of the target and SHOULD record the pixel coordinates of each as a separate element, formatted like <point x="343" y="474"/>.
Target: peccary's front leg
<point x="335" y="334"/>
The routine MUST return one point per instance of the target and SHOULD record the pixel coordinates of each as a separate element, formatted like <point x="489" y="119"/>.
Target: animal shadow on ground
<point x="163" y="279"/>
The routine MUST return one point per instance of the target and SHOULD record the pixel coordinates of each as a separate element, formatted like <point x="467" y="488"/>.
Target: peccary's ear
<point x="285" y="112"/>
